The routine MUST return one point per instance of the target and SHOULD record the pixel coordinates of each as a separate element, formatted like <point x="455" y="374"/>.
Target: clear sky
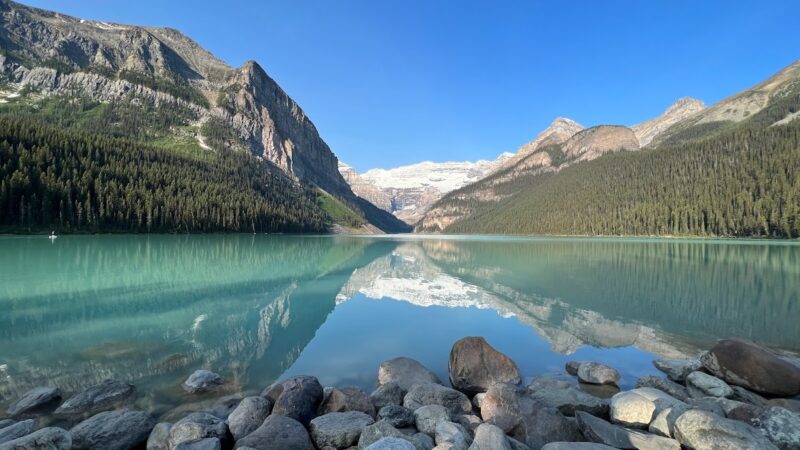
<point x="392" y="82"/>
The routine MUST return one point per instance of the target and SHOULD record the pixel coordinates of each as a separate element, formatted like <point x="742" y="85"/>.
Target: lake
<point x="150" y="309"/>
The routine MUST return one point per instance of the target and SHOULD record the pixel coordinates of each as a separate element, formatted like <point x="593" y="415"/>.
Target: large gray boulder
<point x="435" y="394"/>
<point x="475" y="365"/>
<point x="113" y="430"/>
<point x="278" y="433"/>
<point x="631" y="410"/>
<point x="17" y="430"/>
<point x="780" y="426"/>
<point x="597" y="373"/>
<point x="703" y="430"/>
<point x="677" y="369"/>
<point x="701" y="384"/>
<point x="202" y="381"/>
<point x="391" y="443"/>
<point x="751" y="366"/>
<point x="347" y="399"/>
<point x="743" y="395"/>
<point x="541" y="425"/>
<point x="670" y="387"/>
<point x="568" y="399"/>
<point x="664" y="422"/>
<point x="600" y="431"/>
<point x="489" y="437"/>
<point x="427" y="417"/>
<point x="35" y="401"/>
<point x="398" y="416"/>
<point x="107" y="395"/>
<point x="248" y="416"/>
<point x="377" y="431"/>
<point x="452" y="435"/>
<point x="51" y="438"/>
<point x="159" y="437"/>
<point x="339" y="429"/>
<point x="299" y="398"/>
<point x="387" y="394"/>
<point x="405" y="372"/>
<point x="197" y="426"/>
<point x="501" y="406"/>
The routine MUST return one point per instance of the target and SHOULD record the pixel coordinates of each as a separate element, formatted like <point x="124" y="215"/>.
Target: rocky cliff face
<point x="679" y="111"/>
<point x="595" y="142"/>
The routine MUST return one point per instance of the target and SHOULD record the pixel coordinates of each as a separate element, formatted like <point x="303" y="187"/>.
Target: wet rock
<point x="159" y="437"/>
<point x="601" y="391"/>
<point x="107" y="395"/>
<point x="572" y="367"/>
<point x="700" y="384"/>
<point x="489" y="437"/>
<point x="541" y="425"/>
<point x="664" y="422"/>
<point x="427" y="417"/>
<point x="743" y="395"/>
<point x="111" y="430"/>
<point x="387" y="394"/>
<point x="35" y="401"/>
<point x="780" y="426"/>
<point x="453" y="435"/>
<point x="435" y="394"/>
<point x="753" y="367"/>
<point x="278" y="433"/>
<point x="570" y="399"/>
<point x="405" y="372"/>
<point x="500" y="406"/>
<point x="600" y="431"/>
<point x="576" y="446"/>
<point x="202" y="444"/>
<point x="51" y="438"/>
<point x="391" y="443"/>
<point x="224" y="406"/>
<point x="339" y="429"/>
<point x="17" y="430"/>
<point x="248" y="416"/>
<point x="632" y="410"/>
<point x="377" y="431"/>
<point x="702" y="430"/>
<point x="6" y="422"/>
<point x="398" y="416"/>
<point x="197" y="426"/>
<point x="347" y="399"/>
<point x="299" y="399"/>
<point x="545" y="382"/>
<point x="677" y="369"/>
<point x="202" y="381"/>
<point x="670" y="387"/>
<point x="475" y="365"/>
<point x="660" y="398"/>
<point x="596" y="373"/>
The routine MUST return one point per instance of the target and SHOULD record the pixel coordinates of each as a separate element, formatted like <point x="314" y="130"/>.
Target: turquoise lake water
<point x="151" y="309"/>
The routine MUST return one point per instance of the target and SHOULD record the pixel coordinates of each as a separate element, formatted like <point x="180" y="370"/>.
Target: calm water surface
<point x="151" y="309"/>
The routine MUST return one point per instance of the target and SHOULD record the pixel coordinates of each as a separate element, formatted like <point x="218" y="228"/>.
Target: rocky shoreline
<point x="737" y="395"/>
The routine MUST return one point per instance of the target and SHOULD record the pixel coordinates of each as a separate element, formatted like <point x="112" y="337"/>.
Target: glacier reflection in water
<point x="151" y="309"/>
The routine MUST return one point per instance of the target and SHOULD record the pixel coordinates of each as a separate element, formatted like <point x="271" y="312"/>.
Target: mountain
<point x="166" y="90"/>
<point x="408" y="191"/>
<point x="732" y="169"/>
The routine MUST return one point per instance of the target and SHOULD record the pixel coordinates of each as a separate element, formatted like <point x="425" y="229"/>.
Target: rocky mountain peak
<point x="682" y="109"/>
<point x="685" y="105"/>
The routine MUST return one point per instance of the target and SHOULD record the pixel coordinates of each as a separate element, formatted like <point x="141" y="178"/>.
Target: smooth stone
<point x="545" y="382"/>
<point x="670" y="387"/>
<point x="202" y="444"/>
<point x="677" y="369"/>
<point x="597" y="373"/>
<point x="113" y="430"/>
<point x="159" y="437"/>
<point x="572" y="367"/>
<point x="753" y="367"/>
<point x="660" y="398"/>
<point x="299" y="399"/>
<point x="453" y="434"/>
<point x="109" y="394"/>
<point x="405" y="372"/>
<point x="707" y="404"/>
<point x="477" y="400"/>
<point x="51" y="438"/>
<point x="470" y="422"/>
<point x="387" y="394"/>
<point x="347" y="399"/>
<point x="17" y="430"/>
<point x="576" y="446"/>
<point x="600" y="431"/>
<point x="780" y="426"/>
<point x="571" y="399"/>
<point x="427" y="417"/>
<point x="391" y="443"/>
<point x="377" y="431"/>
<point x="701" y="384"/>
<point x="541" y="425"/>
<point x="743" y="395"/>
<point x="788" y="403"/>
<point x="202" y="381"/>
<point x="664" y="422"/>
<point x="278" y="433"/>
<point x="339" y="429"/>
<point x="475" y="365"/>
<point x="435" y="394"/>
<point x="489" y="437"/>
<point x="703" y="430"/>
<point x="632" y="410"/>
<point x="34" y="401"/>
<point x="248" y="416"/>
<point x="197" y="426"/>
<point x="6" y="422"/>
<point x="421" y="441"/>
<point x="500" y="406"/>
<point x="398" y="416"/>
<point x="516" y="445"/>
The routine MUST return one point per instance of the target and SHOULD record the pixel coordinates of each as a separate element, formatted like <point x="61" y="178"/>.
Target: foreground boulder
<point x="101" y="397"/>
<point x="632" y="410"/>
<point x="278" y="433"/>
<point x="703" y="430"/>
<point x="475" y="365"/>
<point x="435" y="394"/>
<point x="700" y="384"/>
<point x="391" y="443"/>
<point x="576" y="446"/>
<point x="159" y="437"/>
<point x="16" y="430"/>
<point x="751" y="366"/>
<point x="113" y="430"/>
<point x="387" y="394"/>
<point x="197" y="426"/>
<point x="489" y="437"/>
<point x="540" y="425"/>
<point x="299" y="398"/>
<point x="248" y="416"/>
<point x="780" y="426"/>
<point x="663" y="423"/>
<point x="398" y="416"/>
<point x="51" y="438"/>
<point x="426" y="418"/>
<point x="452" y="435"/>
<point x="339" y="429"/>
<point x="35" y="401"/>
<point x="405" y="372"/>
<point x="501" y="406"/>
<point x="600" y="431"/>
<point x="202" y="444"/>
<point x="596" y="373"/>
<point x="677" y="369"/>
<point x="202" y="381"/>
<point x="347" y="399"/>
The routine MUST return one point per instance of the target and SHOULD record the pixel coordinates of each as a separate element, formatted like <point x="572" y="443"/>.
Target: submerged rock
<point x="347" y="399"/>
<point x="702" y="430"/>
<point x="51" y="438"/>
<point x="278" y="433"/>
<point x="197" y="426"/>
<point x="474" y="366"/>
<point x="597" y="373"/>
<point x="17" y="430"/>
<point x="35" y="401"/>
<point x="339" y="429"/>
<point x="113" y="430"/>
<point x="248" y="416"/>
<point x="751" y="366"/>
<point x="405" y="372"/>
<point x="299" y="398"/>
<point x="101" y="397"/>
<point x="202" y="381"/>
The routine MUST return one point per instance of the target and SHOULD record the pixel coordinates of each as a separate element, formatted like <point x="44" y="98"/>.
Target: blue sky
<point x="397" y="82"/>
